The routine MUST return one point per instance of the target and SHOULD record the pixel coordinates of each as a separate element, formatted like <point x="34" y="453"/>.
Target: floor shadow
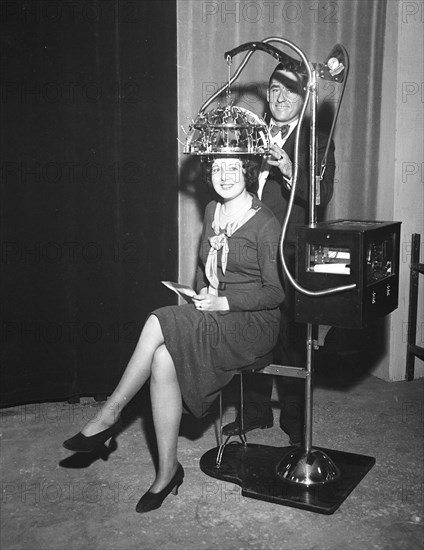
<point x="84" y="460"/>
<point x="138" y="409"/>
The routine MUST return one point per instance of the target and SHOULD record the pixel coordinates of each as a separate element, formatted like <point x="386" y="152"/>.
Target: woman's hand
<point x="210" y="302"/>
<point x="281" y="159"/>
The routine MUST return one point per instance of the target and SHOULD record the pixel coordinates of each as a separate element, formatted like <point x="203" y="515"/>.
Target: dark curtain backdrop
<point x="207" y="29"/>
<point x="88" y="189"/>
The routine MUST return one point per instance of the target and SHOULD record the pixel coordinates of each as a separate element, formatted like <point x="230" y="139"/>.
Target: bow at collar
<point x="219" y="241"/>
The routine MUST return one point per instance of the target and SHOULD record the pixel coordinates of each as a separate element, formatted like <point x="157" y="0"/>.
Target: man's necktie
<point x="282" y="130"/>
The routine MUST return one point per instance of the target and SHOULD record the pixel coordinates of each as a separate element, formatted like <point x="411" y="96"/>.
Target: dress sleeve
<point x="201" y="281"/>
<point x="271" y="294"/>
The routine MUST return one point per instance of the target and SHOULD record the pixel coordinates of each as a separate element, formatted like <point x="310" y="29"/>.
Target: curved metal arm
<point x="289" y="63"/>
<point x="311" y="86"/>
<point x="336" y="114"/>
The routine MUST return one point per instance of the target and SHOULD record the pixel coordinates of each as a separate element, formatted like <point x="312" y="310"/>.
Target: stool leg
<point x="242" y="434"/>
<point x="220" y="418"/>
<point x="222" y="444"/>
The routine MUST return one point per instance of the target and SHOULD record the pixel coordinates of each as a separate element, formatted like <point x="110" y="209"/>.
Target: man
<point x="285" y="96"/>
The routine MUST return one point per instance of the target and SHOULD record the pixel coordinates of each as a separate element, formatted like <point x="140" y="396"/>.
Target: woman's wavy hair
<point x="250" y="163"/>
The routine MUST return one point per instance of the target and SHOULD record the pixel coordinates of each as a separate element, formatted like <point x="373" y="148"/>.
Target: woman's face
<point x="227" y="175"/>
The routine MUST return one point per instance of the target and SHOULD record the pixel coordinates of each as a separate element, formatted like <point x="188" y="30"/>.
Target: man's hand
<point x="281" y="159"/>
<point x="210" y="302"/>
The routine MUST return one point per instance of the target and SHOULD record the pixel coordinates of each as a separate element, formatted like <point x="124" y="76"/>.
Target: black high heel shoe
<point x="151" y="501"/>
<point x="81" y="443"/>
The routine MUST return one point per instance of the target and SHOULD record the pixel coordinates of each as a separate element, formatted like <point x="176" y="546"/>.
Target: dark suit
<point x="291" y="347"/>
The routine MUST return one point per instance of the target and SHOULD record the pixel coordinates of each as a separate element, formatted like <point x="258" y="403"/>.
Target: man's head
<point x="285" y="95"/>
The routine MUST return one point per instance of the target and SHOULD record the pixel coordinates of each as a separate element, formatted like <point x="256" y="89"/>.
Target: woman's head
<point x="231" y="174"/>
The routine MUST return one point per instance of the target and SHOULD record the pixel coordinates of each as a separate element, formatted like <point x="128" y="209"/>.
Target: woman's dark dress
<point x="208" y="348"/>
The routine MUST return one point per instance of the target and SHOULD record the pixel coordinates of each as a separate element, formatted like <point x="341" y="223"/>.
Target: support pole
<point x="305" y="465"/>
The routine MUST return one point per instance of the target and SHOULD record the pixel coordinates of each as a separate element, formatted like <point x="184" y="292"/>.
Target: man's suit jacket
<point x="290" y="349"/>
<point x="276" y="192"/>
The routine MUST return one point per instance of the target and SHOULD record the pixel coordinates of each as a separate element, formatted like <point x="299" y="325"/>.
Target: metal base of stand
<point x="308" y="468"/>
<point x="258" y="470"/>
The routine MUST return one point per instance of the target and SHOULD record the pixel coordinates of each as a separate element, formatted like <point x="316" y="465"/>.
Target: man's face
<point x="284" y="102"/>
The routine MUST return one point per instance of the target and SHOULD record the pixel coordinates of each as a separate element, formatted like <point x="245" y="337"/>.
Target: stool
<point x="314" y="479"/>
<point x="272" y="369"/>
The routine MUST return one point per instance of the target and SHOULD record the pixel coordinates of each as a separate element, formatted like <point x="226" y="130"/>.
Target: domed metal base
<point x="307" y="468"/>
<point x="253" y="468"/>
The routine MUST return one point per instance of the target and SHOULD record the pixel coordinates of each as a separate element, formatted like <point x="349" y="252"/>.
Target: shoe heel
<point x="108" y="449"/>
<point x="111" y="443"/>
<point x="175" y="489"/>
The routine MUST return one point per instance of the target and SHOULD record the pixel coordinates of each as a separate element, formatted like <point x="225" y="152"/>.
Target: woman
<point x="190" y="352"/>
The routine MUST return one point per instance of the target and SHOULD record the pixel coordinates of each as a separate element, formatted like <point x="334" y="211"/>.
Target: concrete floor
<point x="49" y="501"/>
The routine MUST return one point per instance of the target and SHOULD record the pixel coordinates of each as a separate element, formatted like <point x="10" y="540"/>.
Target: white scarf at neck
<point x="220" y="241"/>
